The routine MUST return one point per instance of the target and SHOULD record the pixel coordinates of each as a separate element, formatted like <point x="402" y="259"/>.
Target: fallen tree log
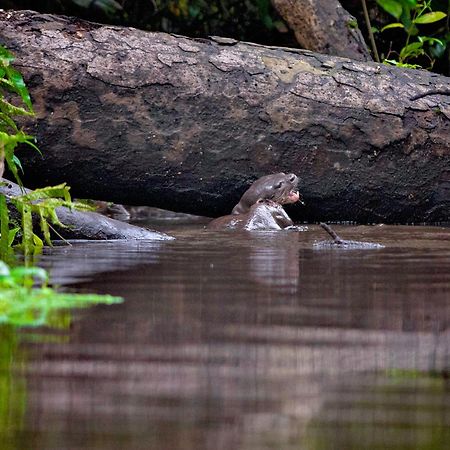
<point x="184" y="124"/>
<point x="86" y="224"/>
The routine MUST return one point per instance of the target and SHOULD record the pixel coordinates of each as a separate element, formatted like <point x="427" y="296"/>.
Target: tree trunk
<point x="324" y="26"/>
<point x="183" y="124"/>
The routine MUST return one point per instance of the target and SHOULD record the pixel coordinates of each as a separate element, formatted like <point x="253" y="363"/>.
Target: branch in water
<point x="332" y="233"/>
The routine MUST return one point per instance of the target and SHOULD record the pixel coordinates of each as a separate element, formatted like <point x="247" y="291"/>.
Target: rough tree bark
<point x="324" y="26"/>
<point x="183" y="124"/>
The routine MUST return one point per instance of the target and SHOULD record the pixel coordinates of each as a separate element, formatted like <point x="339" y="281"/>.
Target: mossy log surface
<point x="183" y="124"/>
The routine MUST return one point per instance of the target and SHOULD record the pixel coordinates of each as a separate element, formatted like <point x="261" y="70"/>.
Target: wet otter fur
<point x="278" y="187"/>
<point x="264" y="215"/>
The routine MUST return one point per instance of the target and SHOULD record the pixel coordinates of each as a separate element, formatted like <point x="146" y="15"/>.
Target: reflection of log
<point x="91" y="225"/>
<point x="167" y="121"/>
<point x="324" y="26"/>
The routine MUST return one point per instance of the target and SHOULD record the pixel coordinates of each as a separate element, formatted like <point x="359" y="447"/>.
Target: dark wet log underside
<point x="183" y="124"/>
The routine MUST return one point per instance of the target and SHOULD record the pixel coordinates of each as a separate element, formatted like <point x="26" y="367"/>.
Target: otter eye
<point x="278" y="185"/>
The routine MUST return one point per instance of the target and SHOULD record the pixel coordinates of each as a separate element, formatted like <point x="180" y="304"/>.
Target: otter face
<point x="278" y="187"/>
<point x="283" y="189"/>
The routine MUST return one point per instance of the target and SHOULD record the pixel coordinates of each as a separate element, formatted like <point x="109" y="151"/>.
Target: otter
<point x="264" y="215"/>
<point x="281" y="188"/>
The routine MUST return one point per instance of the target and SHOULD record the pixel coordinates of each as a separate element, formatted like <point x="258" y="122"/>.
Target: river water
<point x="240" y="341"/>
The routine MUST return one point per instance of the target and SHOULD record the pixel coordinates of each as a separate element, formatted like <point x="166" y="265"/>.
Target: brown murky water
<point x="241" y="341"/>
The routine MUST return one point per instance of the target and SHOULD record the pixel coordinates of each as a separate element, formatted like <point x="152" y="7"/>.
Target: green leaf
<point x="12" y="235"/>
<point x="44" y="226"/>
<point x="406" y="20"/>
<point x="19" y="86"/>
<point x="54" y="218"/>
<point x="6" y="122"/>
<point x="429" y="40"/>
<point x="393" y="7"/>
<point x="412" y="50"/>
<point x="12" y="110"/>
<point x="430" y="17"/>
<point x="27" y="229"/>
<point x="28" y="142"/>
<point x="393" y="25"/>
<point x="393" y="62"/>
<point x="37" y="241"/>
<point x="9" y="146"/>
<point x="61" y="190"/>
<point x="408" y="3"/>
<point x="17" y="162"/>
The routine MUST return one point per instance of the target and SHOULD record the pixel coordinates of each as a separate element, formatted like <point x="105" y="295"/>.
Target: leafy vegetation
<point x="11" y="81"/>
<point x="26" y="299"/>
<point x="421" y="44"/>
<point x="41" y="202"/>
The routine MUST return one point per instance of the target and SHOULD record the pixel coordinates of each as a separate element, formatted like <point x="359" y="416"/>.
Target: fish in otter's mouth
<point x="289" y="193"/>
<point x="293" y="196"/>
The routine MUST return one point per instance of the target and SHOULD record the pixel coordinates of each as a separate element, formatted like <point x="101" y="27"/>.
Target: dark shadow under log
<point x="183" y="124"/>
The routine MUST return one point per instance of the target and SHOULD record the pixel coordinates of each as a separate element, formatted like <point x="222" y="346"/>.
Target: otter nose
<point x="292" y="177"/>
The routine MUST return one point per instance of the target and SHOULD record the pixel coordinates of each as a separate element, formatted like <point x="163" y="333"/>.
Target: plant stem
<point x="369" y="30"/>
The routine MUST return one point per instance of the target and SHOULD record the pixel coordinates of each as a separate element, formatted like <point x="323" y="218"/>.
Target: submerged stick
<point x="332" y="233"/>
<point x="338" y="242"/>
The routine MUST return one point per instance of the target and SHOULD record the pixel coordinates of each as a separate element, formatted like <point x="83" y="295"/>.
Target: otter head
<point x="281" y="188"/>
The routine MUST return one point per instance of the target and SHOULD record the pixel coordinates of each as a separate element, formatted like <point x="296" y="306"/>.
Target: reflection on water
<point x="12" y="389"/>
<point x="248" y="341"/>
